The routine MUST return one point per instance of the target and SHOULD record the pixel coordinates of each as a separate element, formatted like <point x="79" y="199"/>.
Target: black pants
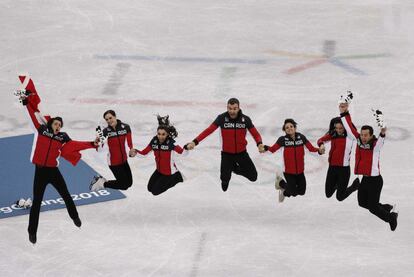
<point x="338" y="179"/>
<point x="369" y="194"/>
<point x="43" y="177"/>
<point x="240" y="164"/>
<point x="123" y="177"/>
<point x="159" y="183"/>
<point x="294" y="185"/>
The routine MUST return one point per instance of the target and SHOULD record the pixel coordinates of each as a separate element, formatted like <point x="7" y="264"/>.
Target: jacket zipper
<point x="235" y="139"/>
<point x="48" y="150"/>
<point x="360" y="157"/>
<point x="119" y="142"/>
<point x="296" y="162"/>
<point x="120" y="147"/>
<point x="159" y="157"/>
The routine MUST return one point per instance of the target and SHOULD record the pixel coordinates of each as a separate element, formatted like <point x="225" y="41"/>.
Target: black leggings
<point x="369" y="194"/>
<point x="159" y="183"/>
<point x="240" y="164"/>
<point x="123" y="177"/>
<point x="338" y="179"/>
<point x="294" y="185"/>
<point x="43" y="177"/>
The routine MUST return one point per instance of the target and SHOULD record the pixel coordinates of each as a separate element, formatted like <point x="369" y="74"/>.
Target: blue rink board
<point x="17" y="173"/>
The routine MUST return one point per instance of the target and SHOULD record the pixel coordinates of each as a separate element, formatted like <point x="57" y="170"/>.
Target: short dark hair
<point x="369" y="128"/>
<point x="109" y="112"/>
<point x="289" y="120"/>
<point x="233" y="101"/>
<point x="53" y="119"/>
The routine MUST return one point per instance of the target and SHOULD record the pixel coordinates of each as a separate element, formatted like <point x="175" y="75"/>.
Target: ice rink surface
<point x="186" y="58"/>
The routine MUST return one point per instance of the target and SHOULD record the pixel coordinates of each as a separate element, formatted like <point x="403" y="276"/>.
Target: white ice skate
<point x="24" y="204"/>
<point x="346" y="98"/>
<point x="21" y="94"/>
<point x="28" y="203"/>
<point x="97" y="183"/>
<point x="281" y="195"/>
<point x="379" y="118"/>
<point x="279" y="178"/>
<point x="100" y="136"/>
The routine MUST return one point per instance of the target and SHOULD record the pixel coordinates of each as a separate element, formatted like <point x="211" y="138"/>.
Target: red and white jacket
<point x="367" y="156"/>
<point x="164" y="154"/>
<point x="341" y="148"/>
<point x="117" y="142"/>
<point x="293" y="152"/>
<point x="233" y="132"/>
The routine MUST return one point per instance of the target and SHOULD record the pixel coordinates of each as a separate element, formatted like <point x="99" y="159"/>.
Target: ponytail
<point x="164" y="123"/>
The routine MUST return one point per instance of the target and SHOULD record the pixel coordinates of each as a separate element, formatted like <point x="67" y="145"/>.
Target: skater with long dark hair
<point x="49" y="144"/>
<point x="341" y="145"/>
<point x="118" y="136"/>
<point x="166" y="175"/>
<point x="293" y="145"/>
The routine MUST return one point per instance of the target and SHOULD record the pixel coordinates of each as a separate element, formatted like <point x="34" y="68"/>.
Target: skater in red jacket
<point x="166" y="174"/>
<point x="293" y="146"/>
<point x="341" y="144"/>
<point x="234" y="125"/>
<point x="118" y="137"/>
<point x="48" y="145"/>
<point x="367" y="164"/>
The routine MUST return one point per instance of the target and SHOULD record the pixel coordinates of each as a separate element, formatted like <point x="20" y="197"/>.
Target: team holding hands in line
<point x="50" y="143"/>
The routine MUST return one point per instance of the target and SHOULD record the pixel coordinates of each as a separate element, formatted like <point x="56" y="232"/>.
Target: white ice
<point x="195" y="229"/>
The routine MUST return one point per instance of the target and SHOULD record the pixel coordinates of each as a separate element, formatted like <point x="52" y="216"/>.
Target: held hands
<point x="321" y="149"/>
<point x="190" y="145"/>
<point x="133" y="152"/>
<point x="261" y="148"/>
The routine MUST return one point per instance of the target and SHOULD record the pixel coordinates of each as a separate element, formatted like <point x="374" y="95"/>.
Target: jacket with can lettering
<point x="341" y="147"/>
<point x="164" y="154"/>
<point x="293" y="152"/>
<point x="117" y="141"/>
<point x="48" y="147"/>
<point x="233" y="132"/>
<point x="367" y="156"/>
